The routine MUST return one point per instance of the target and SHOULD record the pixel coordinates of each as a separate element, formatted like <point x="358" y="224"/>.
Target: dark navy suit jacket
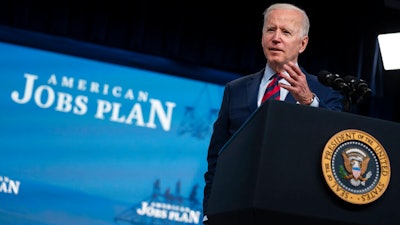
<point x="239" y="102"/>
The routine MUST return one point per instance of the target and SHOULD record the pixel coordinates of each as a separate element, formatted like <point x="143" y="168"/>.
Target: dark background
<point x="185" y="37"/>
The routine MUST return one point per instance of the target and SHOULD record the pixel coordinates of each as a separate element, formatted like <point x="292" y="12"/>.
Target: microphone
<point x="358" y="86"/>
<point x="333" y="80"/>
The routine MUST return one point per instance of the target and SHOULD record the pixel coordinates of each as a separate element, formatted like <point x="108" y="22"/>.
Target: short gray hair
<point x="306" y="22"/>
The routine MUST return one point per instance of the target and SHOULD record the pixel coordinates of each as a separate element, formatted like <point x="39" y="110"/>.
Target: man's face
<point x="282" y="40"/>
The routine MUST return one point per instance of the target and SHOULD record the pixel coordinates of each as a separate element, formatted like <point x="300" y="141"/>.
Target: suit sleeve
<point x="220" y="136"/>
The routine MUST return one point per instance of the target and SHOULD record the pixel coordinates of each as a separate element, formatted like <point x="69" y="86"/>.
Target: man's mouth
<point x="275" y="49"/>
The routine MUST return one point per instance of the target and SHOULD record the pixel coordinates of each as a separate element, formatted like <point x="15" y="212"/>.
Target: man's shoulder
<point x="246" y="78"/>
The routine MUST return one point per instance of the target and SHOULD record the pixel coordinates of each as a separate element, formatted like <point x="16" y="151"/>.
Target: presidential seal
<point x="355" y="166"/>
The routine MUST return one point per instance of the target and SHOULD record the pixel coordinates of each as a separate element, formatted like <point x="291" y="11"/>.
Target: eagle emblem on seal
<point x="356" y="165"/>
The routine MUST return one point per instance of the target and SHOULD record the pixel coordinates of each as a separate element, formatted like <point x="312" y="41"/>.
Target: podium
<point x="270" y="171"/>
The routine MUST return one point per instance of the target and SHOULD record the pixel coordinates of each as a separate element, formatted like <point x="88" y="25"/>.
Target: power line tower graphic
<point x="199" y="117"/>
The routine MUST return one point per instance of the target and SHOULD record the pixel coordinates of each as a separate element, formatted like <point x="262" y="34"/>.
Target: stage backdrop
<point x="88" y="142"/>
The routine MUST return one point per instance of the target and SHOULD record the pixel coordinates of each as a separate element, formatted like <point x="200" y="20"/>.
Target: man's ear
<point x="304" y="43"/>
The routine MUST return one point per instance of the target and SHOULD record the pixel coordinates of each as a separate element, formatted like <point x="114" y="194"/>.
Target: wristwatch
<point x="311" y="99"/>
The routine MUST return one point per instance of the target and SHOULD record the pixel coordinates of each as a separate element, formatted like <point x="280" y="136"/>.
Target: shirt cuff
<point x="315" y="101"/>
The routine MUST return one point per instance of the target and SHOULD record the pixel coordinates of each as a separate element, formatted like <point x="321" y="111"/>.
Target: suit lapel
<point x="290" y="98"/>
<point x="252" y="90"/>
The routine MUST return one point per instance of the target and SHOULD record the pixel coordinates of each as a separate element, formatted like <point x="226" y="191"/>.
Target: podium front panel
<point x="271" y="169"/>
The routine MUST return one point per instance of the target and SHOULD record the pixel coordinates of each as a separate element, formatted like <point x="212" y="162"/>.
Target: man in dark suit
<point x="284" y="38"/>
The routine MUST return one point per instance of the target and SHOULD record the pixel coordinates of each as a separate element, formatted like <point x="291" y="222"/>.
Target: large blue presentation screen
<point x="88" y="142"/>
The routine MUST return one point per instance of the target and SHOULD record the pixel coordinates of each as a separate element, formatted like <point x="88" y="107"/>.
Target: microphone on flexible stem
<point x="333" y="80"/>
<point x="359" y="87"/>
<point x="337" y="83"/>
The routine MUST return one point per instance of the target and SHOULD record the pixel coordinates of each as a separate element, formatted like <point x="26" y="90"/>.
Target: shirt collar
<point x="268" y="73"/>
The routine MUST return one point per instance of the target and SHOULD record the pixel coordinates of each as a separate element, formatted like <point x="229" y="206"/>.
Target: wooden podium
<point x="270" y="171"/>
